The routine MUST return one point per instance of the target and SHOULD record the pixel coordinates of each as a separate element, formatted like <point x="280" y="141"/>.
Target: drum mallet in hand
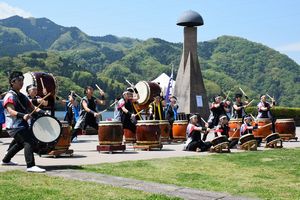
<point x="40" y="103"/>
<point x="243" y="93"/>
<point x="43" y="86"/>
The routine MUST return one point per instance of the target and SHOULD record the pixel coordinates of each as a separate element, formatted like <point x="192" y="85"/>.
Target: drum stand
<point x="274" y="144"/>
<point x="249" y="145"/>
<point x="110" y="148"/>
<point x="61" y="152"/>
<point x="221" y="148"/>
<point x="288" y="137"/>
<point x="148" y="147"/>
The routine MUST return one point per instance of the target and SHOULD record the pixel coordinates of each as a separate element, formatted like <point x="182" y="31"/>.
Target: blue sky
<point x="275" y="23"/>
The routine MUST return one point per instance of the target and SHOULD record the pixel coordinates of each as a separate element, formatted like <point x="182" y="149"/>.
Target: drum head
<point x="46" y="129"/>
<point x="144" y="92"/>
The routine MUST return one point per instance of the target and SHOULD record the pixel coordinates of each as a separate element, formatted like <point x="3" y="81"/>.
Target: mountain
<point x="77" y="60"/>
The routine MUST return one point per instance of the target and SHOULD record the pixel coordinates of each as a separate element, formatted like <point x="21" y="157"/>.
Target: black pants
<point x="233" y="142"/>
<point x="92" y="124"/>
<point x="193" y="145"/>
<point x="23" y="139"/>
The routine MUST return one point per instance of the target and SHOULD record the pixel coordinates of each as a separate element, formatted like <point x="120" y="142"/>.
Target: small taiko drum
<point x="285" y="127"/>
<point x="265" y="127"/>
<point x="110" y="133"/>
<point x="40" y="80"/>
<point x="219" y="140"/>
<point x="246" y="138"/>
<point x="272" y="137"/>
<point x="234" y="128"/>
<point x="147" y="90"/>
<point x="147" y="132"/>
<point x="164" y="127"/>
<point x="64" y="139"/>
<point x="179" y="129"/>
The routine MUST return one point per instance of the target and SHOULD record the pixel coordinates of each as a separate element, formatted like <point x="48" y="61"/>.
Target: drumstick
<point x="203" y="120"/>
<point x="43" y="86"/>
<point x="139" y="112"/>
<point x="243" y="93"/>
<point x="270" y="97"/>
<point x="250" y="101"/>
<point x="227" y="96"/>
<point x="76" y="95"/>
<point x="252" y="116"/>
<point x="129" y="83"/>
<point x="40" y="103"/>
<point x="99" y="88"/>
<point x="108" y="107"/>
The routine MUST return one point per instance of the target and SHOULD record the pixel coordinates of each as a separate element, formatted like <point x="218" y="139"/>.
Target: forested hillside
<point x="77" y="60"/>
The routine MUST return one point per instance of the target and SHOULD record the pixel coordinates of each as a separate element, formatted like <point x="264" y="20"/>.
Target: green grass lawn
<point x="273" y="174"/>
<point x="16" y="185"/>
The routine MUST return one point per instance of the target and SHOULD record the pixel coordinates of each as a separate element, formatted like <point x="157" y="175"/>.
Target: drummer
<point x="239" y="107"/>
<point x="246" y="127"/>
<point x="217" y="109"/>
<point x="171" y="113"/>
<point x="264" y="110"/>
<point x="88" y="114"/>
<point x="32" y="95"/>
<point x="126" y="110"/>
<point x="223" y="129"/>
<point x="156" y="108"/>
<point x="193" y="133"/>
<point x="17" y="107"/>
<point x="72" y="109"/>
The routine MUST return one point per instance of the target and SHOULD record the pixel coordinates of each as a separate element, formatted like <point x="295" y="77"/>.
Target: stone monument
<point x="189" y="88"/>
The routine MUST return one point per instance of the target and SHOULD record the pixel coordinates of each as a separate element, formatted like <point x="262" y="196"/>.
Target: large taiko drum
<point x="234" y="128"/>
<point x="179" y="129"/>
<point x="46" y="130"/>
<point x="164" y="127"/>
<point x="147" y="132"/>
<point x="147" y="90"/>
<point x="65" y="138"/>
<point x="265" y="127"/>
<point x="129" y="135"/>
<point x="40" y="79"/>
<point x="285" y="127"/>
<point x="110" y="133"/>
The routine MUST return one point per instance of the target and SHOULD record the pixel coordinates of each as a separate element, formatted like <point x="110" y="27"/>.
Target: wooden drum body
<point x="147" y="91"/>
<point x="147" y="132"/>
<point x="235" y="126"/>
<point x="65" y="138"/>
<point x="179" y="129"/>
<point x="265" y="128"/>
<point x="286" y="128"/>
<point x="164" y="127"/>
<point x="110" y="133"/>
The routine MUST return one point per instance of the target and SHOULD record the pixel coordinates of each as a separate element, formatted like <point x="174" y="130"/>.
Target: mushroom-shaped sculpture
<point x="190" y="18"/>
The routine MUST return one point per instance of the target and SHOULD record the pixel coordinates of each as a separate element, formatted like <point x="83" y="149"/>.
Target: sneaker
<point x="74" y="140"/>
<point x="8" y="163"/>
<point x="36" y="169"/>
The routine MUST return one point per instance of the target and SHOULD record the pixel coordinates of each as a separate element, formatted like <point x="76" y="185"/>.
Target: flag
<point x="168" y="92"/>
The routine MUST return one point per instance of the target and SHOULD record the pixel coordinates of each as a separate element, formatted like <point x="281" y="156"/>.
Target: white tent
<point x="163" y="81"/>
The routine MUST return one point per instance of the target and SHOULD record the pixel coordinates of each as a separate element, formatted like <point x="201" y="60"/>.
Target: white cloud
<point x="7" y="10"/>
<point x="293" y="47"/>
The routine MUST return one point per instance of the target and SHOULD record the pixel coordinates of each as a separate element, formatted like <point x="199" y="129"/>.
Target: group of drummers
<point x="20" y="110"/>
<point x="221" y="115"/>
